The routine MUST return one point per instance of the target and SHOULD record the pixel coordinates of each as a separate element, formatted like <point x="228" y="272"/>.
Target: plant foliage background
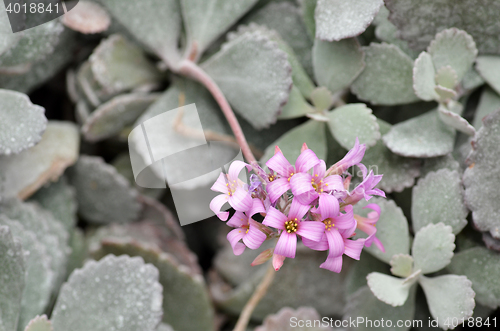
<point x="417" y="82"/>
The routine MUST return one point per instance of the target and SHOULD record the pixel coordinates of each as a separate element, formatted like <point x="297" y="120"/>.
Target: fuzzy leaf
<point x="336" y="19"/>
<point x="445" y="94"/>
<point x="421" y="136"/>
<point x="103" y="195"/>
<point x="387" y="78"/>
<point x="455" y="121"/>
<point x="186" y="304"/>
<point x="142" y="18"/>
<point x="454" y="48"/>
<point x="111" y="117"/>
<point x="12" y="281"/>
<point x="438" y="163"/>
<point x="418" y="22"/>
<point x="401" y="265"/>
<point x="438" y="197"/>
<point x="480" y="178"/>
<point x="424" y="77"/>
<point x="282" y="320"/>
<point x="488" y="103"/>
<point x="206" y="20"/>
<point x="118" y="65"/>
<point x="391" y="290"/>
<point x="399" y="172"/>
<point x="307" y="9"/>
<point x="39" y="323"/>
<point x="482" y="267"/>
<point x="447" y="77"/>
<point x="259" y="97"/>
<point x="353" y="121"/>
<point x="27" y="171"/>
<point x="87" y="17"/>
<point x="433" y="247"/>
<point x="296" y="106"/>
<point x="489" y="68"/>
<point x="114" y="293"/>
<point x="450" y="297"/>
<point x="7" y="38"/>
<point x="337" y="64"/>
<point x="392" y="229"/>
<point x="311" y="132"/>
<point x="21" y="122"/>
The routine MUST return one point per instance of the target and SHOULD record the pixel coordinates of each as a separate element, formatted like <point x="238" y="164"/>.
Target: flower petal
<point x="220" y="184"/>
<point x="306" y="160"/>
<point x="297" y="210"/>
<point x="333" y="264"/>
<point x="333" y="183"/>
<point x="321" y="245"/>
<point x="234" y="237"/>
<point x="278" y="261"/>
<point x="301" y="183"/>
<point x="287" y="245"/>
<point x="216" y="205"/>
<point x="240" y="200"/>
<point x="335" y="242"/>
<point x="235" y="169"/>
<point x="328" y="206"/>
<point x="279" y="164"/>
<point x="319" y="170"/>
<point x="311" y="230"/>
<point x="353" y="248"/>
<point x="277" y="187"/>
<point x="254" y="238"/>
<point x="238" y="220"/>
<point x="257" y="207"/>
<point x="275" y="219"/>
<point x="353" y="157"/>
<point x="345" y="221"/>
<point x="379" y="244"/>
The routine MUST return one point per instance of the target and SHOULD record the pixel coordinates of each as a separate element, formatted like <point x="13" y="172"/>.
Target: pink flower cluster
<point x="306" y="201"/>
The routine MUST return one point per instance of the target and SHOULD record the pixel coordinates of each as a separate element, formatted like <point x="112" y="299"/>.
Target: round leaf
<point x="424" y="77"/>
<point x="39" y="323"/>
<point x="489" y="68"/>
<point x="433" y="247"/>
<point x="455" y="121"/>
<point x="391" y="290"/>
<point x="402" y="265"/>
<point x="87" y="17"/>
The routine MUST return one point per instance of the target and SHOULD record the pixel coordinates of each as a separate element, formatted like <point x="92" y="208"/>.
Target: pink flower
<point x="246" y="229"/>
<point x="291" y="226"/>
<point x="366" y="189"/>
<point x="279" y="164"/>
<point x="352" y="248"/>
<point x="353" y="157"/>
<point x="367" y="225"/>
<point x="233" y="189"/>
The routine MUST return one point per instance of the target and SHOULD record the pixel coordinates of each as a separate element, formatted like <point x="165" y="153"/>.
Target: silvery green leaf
<point x="322" y="98"/>
<point x="86" y="83"/>
<point x="115" y="293"/>
<point x="439" y="197"/>
<point x="337" y="64"/>
<point x="450" y="297"/>
<point x="440" y="162"/>
<point x="21" y="122"/>
<point x="260" y="97"/>
<point x="387" y="78"/>
<point x="356" y="277"/>
<point x="336" y="19"/>
<point x="421" y="136"/>
<point x="186" y="303"/>
<point x="7" y="38"/>
<point x="391" y="290"/>
<point x="13" y="270"/>
<point x="311" y="132"/>
<point x="87" y="17"/>
<point x="472" y="80"/>
<point x="103" y="195"/>
<point x="433" y="247"/>
<point x="455" y="121"/>
<point x="60" y="199"/>
<point x="454" y="48"/>
<point x="39" y="323"/>
<point x="296" y="106"/>
<point x="353" y="121"/>
<point x="418" y="22"/>
<point x="111" y="117"/>
<point x="488" y="103"/>
<point x="363" y="304"/>
<point x="285" y="18"/>
<point x="392" y="229"/>
<point x="399" y="172"/>
<point x="142" y="18"/>
<point x="284" y="319"/>
<point x="39" y="277"/>
<point x="118" y="65"/>
<point x="488" y="67"/>
<point x="445" y="94"/>
<point x="490" y="242"/>
<point x="482" y="267"/>
<point x="206" y="20"/>
<point x="447" y="77"/>
<point x="26" y="172"/>
<point x="481" y="193"/>
<point x="424" y="77"/>
<point x="401" y="265"/>
<point x="307" y="9"/>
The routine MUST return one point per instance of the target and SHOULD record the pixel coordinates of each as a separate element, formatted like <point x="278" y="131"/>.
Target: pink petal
<point x="234" y="237"/>
<point x="345" y="221"/>
<point x="335" y="242"/>
<point x="257" y="207"/>
<point x="297" y="210"/>
<point x="220" y="184"/>
<point x="319" y="170"/>
<point x="379" y="244"/>
<point x="306" y="160"/>
<point x="307" y="198"/>
<point x="287" y="245"/>
<point x="334" y="182"/>
<point x="279" y="164"/>
<point x="240" y="200"/>
<point x="275" y="219"/>
<point x="235" y="169"/>
<point x="328" y="206"/>
<point x="311" y="230"/>
<point x="301" y="183"/>
<point x="353" y="248"/>
<point x="278" y="261"/>
<point x="321" y="245"/>
<point x="254" y="238"/>
<point x="216" y="205"/>
<point x="374" y="207"/>
<point x="277" y="187"/>
<point x="238" y="220"/>
<point x="263" y="257"/>
<point x="333" y="264"/>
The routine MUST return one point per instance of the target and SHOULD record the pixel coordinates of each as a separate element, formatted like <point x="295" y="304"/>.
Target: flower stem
<point x="259" y="293"/>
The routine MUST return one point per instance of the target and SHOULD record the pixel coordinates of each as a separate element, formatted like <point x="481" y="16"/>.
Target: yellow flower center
<point x="291" y="226"/>
<point x="328" y="224"/>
